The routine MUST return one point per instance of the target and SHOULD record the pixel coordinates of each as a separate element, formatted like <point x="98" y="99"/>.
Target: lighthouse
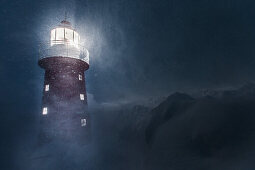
<point x="64" y="114"/>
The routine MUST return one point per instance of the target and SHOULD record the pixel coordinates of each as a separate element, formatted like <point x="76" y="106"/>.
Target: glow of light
<point x="47" y="87"/>
<point x="45" y="111"/>
<point x="82" y="96"/>
<point x="83" y="122"/>
<point x="80" y="77"/>
<point x="61" y="35"/>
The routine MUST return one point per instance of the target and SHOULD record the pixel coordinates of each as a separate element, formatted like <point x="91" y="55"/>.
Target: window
<point x="60" y="34"/>
<point x="80" y="77"/>
<point x="69" y="34"/>
<point x="83" y="122"/>
<point x="76" y="38"/>
<point x="53" y="37"/>
<point x="45" y="111"/>
<point x="82" y="96"/>
<point x="47" y="87"/>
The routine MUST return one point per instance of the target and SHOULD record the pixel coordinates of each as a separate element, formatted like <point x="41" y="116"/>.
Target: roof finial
<point x="65" y="22"/>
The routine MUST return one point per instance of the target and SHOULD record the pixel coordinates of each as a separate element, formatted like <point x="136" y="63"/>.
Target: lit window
<point x="82" y="96"/>
<point x="45" y="111"/>
<point x="62" y="35"/>
<point x="83" y="122"/>
<point x="47" y="87"/>
<point x="80" y="77"/>
<point x="76" y="38"/>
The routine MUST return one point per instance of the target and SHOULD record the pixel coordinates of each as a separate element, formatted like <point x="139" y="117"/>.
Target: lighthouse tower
<point x="64" y="112"/>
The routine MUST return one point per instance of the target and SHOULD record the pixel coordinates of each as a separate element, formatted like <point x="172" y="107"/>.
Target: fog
<point x="140" y="53"/>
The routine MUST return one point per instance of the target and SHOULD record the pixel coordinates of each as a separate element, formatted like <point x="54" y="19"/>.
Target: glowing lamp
<point x="64" y="34"/>
<point x="64" y="42"/>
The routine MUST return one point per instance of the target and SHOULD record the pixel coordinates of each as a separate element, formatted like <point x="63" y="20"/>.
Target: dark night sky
<point x="138" y="49"/>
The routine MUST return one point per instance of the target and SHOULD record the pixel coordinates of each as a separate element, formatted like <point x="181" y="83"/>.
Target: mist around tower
<point x="127" y="85"/>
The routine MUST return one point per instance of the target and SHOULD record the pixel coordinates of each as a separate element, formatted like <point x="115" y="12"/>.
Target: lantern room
<point x="64" y="34"/>
<point x="64" y="42"/>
